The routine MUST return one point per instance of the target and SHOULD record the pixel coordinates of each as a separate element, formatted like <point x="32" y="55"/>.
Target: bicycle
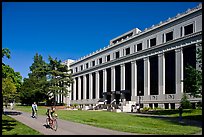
<point x="52" y="124"/>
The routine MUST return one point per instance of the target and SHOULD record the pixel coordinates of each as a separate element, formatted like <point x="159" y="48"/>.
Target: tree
<point x="8" y="89"/>
<point x="10" y="79"/>
<point x="34" y="87"/>
<point x="59" y="78"/>
<point x="6" y="52"/>
<point x="193" y="81"/>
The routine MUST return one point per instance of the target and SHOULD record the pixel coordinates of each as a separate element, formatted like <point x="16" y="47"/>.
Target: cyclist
<point x="50" y="113"/>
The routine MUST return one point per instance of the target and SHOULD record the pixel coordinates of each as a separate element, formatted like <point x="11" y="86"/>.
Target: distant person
<point x="34" y="109"/>
<point x="11" y="105"/>
<point x="180" y="112"/>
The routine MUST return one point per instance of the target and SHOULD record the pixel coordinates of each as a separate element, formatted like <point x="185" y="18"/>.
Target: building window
<point x="100" y="60"/>
<point x="169" y="36"/>
<point x="87" y="65"/>
<point x="181" y="32"/>
<point x="93" y="63"/>
<point x="139" y="46"/>
<point x="81" y="67"/>
<point x="117" y="55"/>
<point x="188" y="29"/>
<point x="152" y="42"/>
<point x="162" y="38"/>
<point x="108" y="58"/>
<point x="76" y="69"/>
<point x="127" y="51"/>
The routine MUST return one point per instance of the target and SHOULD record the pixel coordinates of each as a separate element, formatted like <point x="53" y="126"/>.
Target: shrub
<point x="185" y="103"/>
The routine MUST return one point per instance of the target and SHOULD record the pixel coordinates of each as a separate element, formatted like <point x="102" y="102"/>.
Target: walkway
<point x="64" y="127"/>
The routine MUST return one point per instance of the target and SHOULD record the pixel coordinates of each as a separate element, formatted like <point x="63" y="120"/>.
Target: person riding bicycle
<point x="51" y="113"/>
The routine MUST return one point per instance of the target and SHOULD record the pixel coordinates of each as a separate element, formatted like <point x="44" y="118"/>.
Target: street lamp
<point x="139" y="101"/>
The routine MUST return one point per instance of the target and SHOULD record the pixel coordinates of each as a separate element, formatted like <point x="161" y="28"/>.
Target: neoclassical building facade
<point x="141" y="67"/>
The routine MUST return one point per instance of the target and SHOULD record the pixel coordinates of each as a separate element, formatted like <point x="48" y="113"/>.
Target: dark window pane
<point x="139" y="47"/>
<point x="108" y="58"/>
<point x="188" y="29"/>
<point x="170" y="72"/>
<point x="127" y="51"/>
<point x="93" y="63"/>
<point x="169" y="36"/>
<point x="117" y="55"/>
<point x="152" y="42"/>
<point x="100" y="60"/>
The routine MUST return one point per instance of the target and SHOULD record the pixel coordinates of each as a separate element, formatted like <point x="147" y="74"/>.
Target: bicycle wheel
<point x="54" y="125"/>
<point x="47" y="122"/>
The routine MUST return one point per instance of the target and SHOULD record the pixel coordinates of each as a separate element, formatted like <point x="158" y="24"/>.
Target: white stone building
<point x="140" y="67"/>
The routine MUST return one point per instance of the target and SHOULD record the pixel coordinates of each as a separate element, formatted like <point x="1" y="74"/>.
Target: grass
<point x="12" y="127"/>
<point x="122" y="121"/>
<point x="193" y="114"/>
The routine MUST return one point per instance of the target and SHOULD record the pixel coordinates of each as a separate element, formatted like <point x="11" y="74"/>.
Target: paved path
<point x="64" y="127"/>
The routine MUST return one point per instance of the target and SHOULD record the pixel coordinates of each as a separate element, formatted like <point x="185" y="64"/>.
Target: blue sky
<point x="70" y="30"/>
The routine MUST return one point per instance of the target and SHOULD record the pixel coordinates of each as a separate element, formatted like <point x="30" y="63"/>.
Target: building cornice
<point x="147" y="30"/>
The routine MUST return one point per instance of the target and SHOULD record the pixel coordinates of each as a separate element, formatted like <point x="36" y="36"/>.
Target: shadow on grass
<point x="11" y="113"/>
<point x="8" y="125"/>
<point x="166" y="112"/>
<point x="175" y="120"/>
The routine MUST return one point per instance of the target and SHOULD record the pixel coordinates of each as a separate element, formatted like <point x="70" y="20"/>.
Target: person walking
<point x="34" y="109"/>
<point x="180" y="113"/>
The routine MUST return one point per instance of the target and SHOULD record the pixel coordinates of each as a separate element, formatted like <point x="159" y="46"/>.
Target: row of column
<point x="161" y="78"/>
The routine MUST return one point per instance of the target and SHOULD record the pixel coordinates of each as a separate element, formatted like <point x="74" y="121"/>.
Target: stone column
<point x="74" y="89"/>
<point x="79" y="88"/>
<point x="113" y="78"/>
<point x="179" y="71"/>
<point x="90" y="86"/>
<point x="134" y="80"/>
<point x="161" y="69"/>
<point x="146" y="77"/>
<point x="97" y="85"/>
<point x="122" y="79"/>
<point x="104" y="80"/>
<point x="84" y="86"/>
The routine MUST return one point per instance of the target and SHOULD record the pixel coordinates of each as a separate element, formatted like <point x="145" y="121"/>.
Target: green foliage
<point x="59" y="78"/>
<point x="11" y="80"/>
<point x="45" y="81"/>
<point x="8" y="89"/>
<point x="145" y="109"/>
<point x="185" y="103"/>
<point x="193" y="81"/>
<point x="8" y="72"/>
<point x="34" y="87"/>
<point x="6" y="52"/>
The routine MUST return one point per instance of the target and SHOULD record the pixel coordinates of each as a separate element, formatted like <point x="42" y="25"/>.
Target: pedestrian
<point x="34" y="109"/>
<point x="180" y="113"/>
<point x="11" y="105"/>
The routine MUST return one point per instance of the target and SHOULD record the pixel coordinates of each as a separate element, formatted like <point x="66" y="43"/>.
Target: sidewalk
<point x="64" y="127"/>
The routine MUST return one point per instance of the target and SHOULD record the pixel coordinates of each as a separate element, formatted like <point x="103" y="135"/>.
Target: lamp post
<point x="139" y="101"/>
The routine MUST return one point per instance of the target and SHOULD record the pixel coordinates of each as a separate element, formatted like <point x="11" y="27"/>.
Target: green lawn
<point x="193" y="114"/>
<point x="122" y="121"/>
<point x="12" y="127"/>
